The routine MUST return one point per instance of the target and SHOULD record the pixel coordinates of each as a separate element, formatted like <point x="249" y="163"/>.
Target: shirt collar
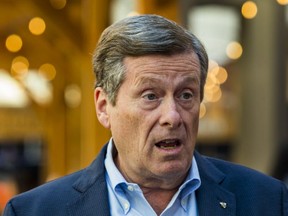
<point x="116" y="178"/>
<point x="190" y="185"/>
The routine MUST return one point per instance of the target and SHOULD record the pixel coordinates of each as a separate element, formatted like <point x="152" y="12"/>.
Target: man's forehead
<point x="182" y="61"/>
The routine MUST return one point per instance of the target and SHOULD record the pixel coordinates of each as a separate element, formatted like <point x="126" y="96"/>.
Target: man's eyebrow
<point x="191" y="79"/>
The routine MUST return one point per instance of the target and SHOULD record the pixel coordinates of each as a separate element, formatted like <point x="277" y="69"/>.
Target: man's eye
<point x="186" y="96"/>
<point x="150" y="96"/>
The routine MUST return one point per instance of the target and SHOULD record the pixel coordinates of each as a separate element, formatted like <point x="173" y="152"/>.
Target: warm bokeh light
<point x="58" y="4"/>
<point x="37" y="26"/>
<point x="202" y="110"/>
<point x="40" y="90"/>
<point x="215" y="95"/>
<point x="73" y="96"/>
<point x="283" y="2"/>
<point x="234" y="50"/>
<point x="19" y="66"/>
<point x="12" y="93"/>
<point x="212" y="64"/>
<point x="208" y="95"/>
<point x="212" y="94"/>
<point x="211" y="80"/>
<point x="14" y="43"/>
<point x="48" y="71"/>
<point x="216" y="76"/>
<point x="249" y="9"/>
<point x="220" y="74"/>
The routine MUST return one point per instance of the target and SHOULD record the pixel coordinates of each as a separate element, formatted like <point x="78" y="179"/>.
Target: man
<point x="150" y="76"/>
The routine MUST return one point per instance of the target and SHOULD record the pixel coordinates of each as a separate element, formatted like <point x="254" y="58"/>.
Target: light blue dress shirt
<point x="127" y="198"/>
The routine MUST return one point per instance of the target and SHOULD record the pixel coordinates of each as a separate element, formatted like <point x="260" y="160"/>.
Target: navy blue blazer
<point x="226" y="190"/>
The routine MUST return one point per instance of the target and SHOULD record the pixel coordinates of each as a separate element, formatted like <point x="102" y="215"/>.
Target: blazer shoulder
<point x="52" y="197"/>
<point x="61" y="185"/>
<point x="244" y="177"/>
<point x="44" y="198"/>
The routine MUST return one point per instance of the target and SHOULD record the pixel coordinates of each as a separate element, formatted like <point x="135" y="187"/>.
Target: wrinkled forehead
<point x="156" y="63"/>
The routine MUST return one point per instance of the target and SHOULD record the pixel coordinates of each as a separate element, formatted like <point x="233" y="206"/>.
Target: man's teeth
<point x="169" y="141"/>
<point x="168" y="144"/>
<point x="168" y="147"/>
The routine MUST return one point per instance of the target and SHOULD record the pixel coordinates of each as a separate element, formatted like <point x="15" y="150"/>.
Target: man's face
<point x="154" y="123"/>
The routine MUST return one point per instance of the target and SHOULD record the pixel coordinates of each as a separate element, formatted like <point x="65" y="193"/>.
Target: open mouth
<point x="168" y="144"/>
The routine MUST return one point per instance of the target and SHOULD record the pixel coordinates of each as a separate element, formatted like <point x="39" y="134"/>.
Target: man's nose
<point x="170" y="116"/>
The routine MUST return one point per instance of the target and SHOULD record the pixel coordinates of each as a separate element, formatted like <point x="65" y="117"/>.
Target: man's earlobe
<point x="101" y="103"/>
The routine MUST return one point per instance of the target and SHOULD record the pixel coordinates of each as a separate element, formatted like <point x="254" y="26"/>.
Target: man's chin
<point x="173" y="172"/>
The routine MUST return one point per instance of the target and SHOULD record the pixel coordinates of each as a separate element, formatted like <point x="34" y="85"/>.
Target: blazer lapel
<point x="93" y="194"/>
<point x="212" y="198"/>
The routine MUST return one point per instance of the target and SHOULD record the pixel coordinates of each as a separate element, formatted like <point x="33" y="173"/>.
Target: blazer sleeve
<point x="9" y="211"/>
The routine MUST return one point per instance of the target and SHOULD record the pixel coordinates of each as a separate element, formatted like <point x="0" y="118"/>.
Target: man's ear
<point x="101" y="106"/>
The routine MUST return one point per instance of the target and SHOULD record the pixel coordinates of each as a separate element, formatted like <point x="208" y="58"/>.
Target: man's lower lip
<point x="168" y="147"/>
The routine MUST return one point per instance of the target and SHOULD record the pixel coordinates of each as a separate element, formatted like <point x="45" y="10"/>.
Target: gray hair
<point x="138" y="36"/>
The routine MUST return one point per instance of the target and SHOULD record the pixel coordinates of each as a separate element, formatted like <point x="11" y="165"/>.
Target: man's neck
<point x="158" y="198"/>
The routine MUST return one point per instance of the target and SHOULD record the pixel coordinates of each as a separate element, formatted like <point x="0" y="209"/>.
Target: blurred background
<point x="48" y="126"/>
